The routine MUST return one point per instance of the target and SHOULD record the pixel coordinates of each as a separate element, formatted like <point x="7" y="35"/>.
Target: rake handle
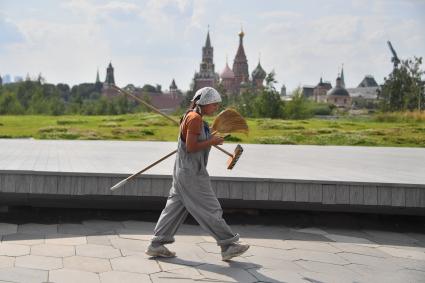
<point x="150" y="166"/>
<point x="162" y="114"/>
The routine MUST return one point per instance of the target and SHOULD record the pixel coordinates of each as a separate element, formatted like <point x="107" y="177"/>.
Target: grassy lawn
<point x="344" y="131"/>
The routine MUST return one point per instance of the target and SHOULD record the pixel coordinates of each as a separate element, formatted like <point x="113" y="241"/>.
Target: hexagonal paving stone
<point x="276" y="275"/>
<point x="193" y="254"/>
<point x="310" y="276"/>
<point x="269" y="243"/>
<point x="409" y="263"/>
<point x="139" y="225"/>
<point x="313" y="246"/>
<point x="370" y="261"/>
<point x="6" y="229"/>
<point x="97" y="251"/>
<point x="99" y="240"/>
<point x="66" y="239"/>
<point x="390" y="238"/>
<point x="210" y="247"/>
<point x="134" y="234"/>
<point x="227" y="274"/>
<point x="75" y="229"/>
<point x="13" y="250"/>
<point x="348" y="239"/>
<point x="183" y="275"/>
<point x="38" y="229"/>
<point x="23" y="239"/>
<point x="125" y="277"/>
<point x="317" y="256"/>
<point x="72" y="276"/>
<point x="39" y="262"/>
<point x="89" y="264"/>
<point x="359" y="249"/>
<point x="6" y="261"/>
<point x="53" y="250"/>
<point x="128" y="244"/>
<point x="103" y="225"/>
<point x="136" y="264"/>
<point x="18" y="274"/>
<point x="404" y="253"/>
<point x="333" y="269"/>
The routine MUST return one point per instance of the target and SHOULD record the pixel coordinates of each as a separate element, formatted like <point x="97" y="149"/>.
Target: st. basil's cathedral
<point x="234" y="80"/>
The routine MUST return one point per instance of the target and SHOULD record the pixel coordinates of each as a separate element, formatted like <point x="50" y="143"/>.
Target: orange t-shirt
<point x="192" y="123"/>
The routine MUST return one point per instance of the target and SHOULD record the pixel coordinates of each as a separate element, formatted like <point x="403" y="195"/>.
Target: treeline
<point x="404" y="89"/>
<point x="37" y="97"/>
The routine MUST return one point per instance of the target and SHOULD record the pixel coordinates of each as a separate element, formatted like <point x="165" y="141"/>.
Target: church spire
<point x="110" y="79"/>
<point x="342" y="76"/>
<point x="240" y="63"/>
<point x="208" y="41"/>
<point x="97" y="76"/>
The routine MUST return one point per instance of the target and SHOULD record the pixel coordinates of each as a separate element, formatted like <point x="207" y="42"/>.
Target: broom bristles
<point x="230" y="121"/>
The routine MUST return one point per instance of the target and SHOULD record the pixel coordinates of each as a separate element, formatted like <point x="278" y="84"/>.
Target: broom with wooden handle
<point x="219" y="126"/>
<point x="227" y="121"/>
<point x="162" y="114"/>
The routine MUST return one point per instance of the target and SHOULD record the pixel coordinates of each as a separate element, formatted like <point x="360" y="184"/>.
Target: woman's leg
<point x="201" y="202"/>
<point x="172" y="216"/>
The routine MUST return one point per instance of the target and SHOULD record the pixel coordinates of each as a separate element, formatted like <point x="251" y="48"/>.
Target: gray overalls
<point x="191" y="192"/>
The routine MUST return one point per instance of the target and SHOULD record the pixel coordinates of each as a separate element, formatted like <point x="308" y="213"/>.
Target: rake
<point x="227" y="121"/>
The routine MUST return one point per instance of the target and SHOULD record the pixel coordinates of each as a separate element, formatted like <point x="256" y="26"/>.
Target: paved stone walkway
<point x="113" y="251"/>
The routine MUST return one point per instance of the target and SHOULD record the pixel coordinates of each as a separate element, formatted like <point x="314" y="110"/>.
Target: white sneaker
<point x="234" y="250"/>
<point x="160" y="251"/>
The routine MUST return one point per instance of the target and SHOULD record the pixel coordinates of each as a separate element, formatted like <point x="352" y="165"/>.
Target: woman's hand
<point x="216" y="140"/>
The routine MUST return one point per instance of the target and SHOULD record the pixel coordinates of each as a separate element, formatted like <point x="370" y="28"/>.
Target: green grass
<point x="390" y="130"/>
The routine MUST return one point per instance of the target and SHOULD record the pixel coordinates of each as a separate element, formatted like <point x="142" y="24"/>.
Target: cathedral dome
<point x="258" y="73"/>
<point x="338" y="90"/>
<point x="227" y="73"/>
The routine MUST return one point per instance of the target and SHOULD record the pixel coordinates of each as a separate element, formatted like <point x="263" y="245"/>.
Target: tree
<point x="298" y="107"/>
<point x="403" y="89"/>
<point x="9" y="104"/>
<point x="268" y="102"/>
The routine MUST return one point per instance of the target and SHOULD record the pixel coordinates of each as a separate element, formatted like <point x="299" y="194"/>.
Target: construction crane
<point x="394" y="59"/>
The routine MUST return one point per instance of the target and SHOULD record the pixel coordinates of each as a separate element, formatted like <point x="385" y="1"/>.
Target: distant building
<point x="228" y="80"/>
<point x="167" y="102"/>
<point x="174" y="91"/>
<point x="206" y="75"/>
<point x="110" y="78"/>
<point x="338" y="95"/>
<point x="258" y="76"/>
<point x="237" y="79"/>
<point x="366" y="94"/>
<point x="240" y="63"/>
<point x="283" y="90"/>
<point x="106" y="87"/>
<point x="368" y="81"/>
<point x="320" y="91"/>
<point x="307" y="91"/>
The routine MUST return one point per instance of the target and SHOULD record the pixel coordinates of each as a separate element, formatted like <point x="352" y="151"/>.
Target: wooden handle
<point x="147" y="104"/>
<point x="150" y="166"/>
<point x="162" y="114"/>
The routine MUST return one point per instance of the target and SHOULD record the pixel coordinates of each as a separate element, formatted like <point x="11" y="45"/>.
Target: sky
<point x="154" y="41"/>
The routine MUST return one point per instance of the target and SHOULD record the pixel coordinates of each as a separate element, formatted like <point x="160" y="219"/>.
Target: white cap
<point x="206" y="95"/>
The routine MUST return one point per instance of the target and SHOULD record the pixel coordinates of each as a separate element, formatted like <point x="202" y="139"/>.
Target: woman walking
<point x="191" y="191"/>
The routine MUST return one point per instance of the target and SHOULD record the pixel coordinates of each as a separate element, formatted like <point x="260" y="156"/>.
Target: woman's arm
<point x="193" y="145"/>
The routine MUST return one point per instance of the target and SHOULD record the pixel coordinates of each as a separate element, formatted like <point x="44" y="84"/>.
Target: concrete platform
<point x="267" y="176"/>
<point x="113" y="251"/>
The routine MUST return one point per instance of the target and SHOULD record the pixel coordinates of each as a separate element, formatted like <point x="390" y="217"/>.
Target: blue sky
<point x="156" y="41"/>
